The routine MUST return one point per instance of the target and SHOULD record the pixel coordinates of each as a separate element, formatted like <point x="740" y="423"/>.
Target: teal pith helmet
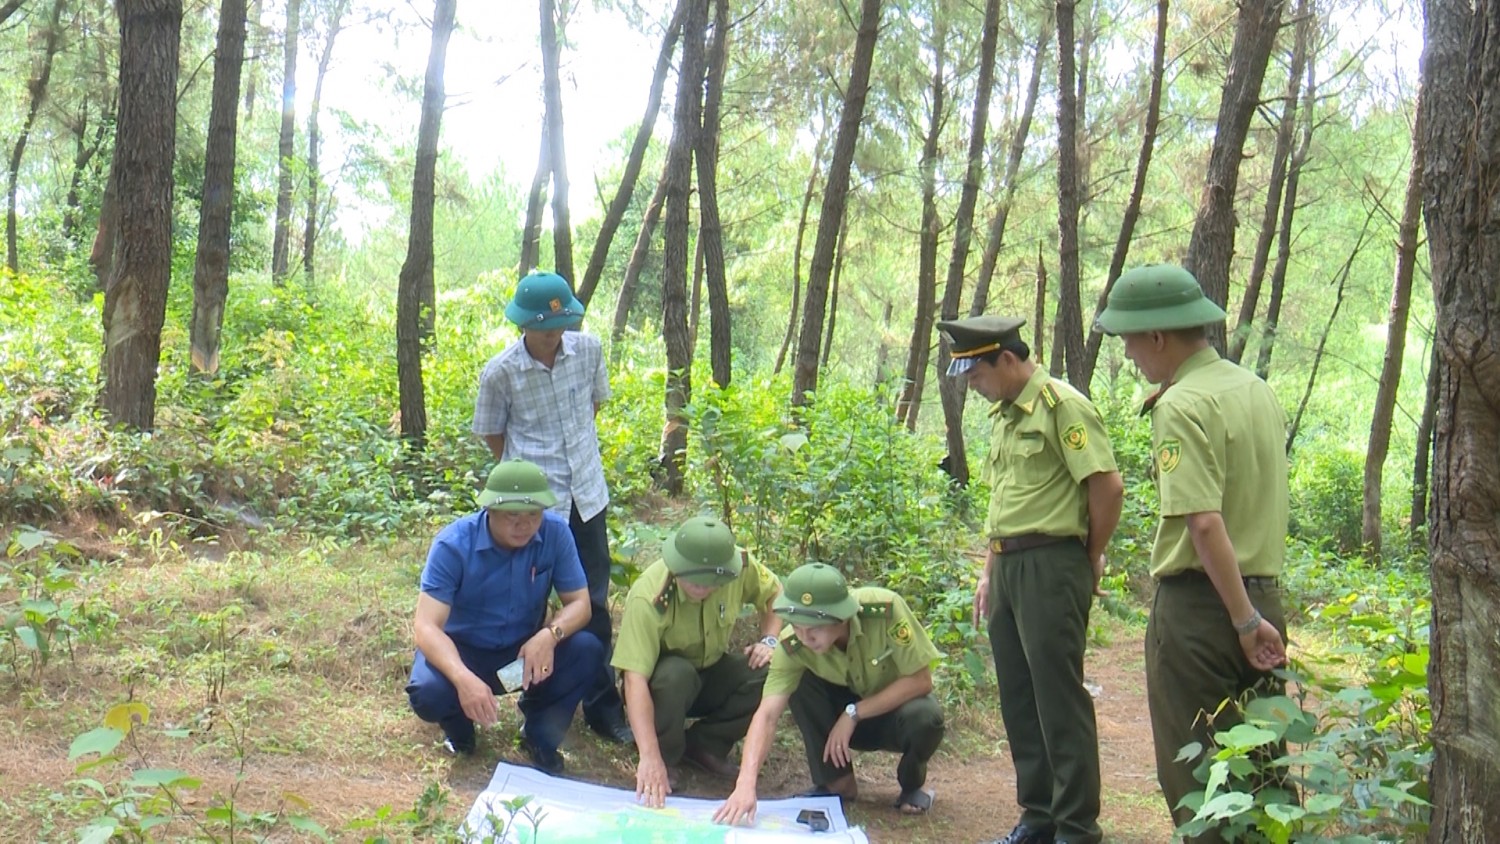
<point x="815" y="594"/>
<point x="1157" y="297"/>
<point x="516" y="485"/>
<point x="545" y="302"/>
<point x="702" y="552"/>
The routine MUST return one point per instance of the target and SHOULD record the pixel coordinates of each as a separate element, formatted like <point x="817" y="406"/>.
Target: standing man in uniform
<point x="537" y="402"/>
<point x="484" y="603"/>
<point x="1054" y="503"/>
<point x="673" y="654"/>
<point x="1218" y="439"/>
<point x="855" y="667"/>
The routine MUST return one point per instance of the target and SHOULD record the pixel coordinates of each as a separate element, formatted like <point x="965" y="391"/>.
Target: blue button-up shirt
<point x="497" y="596"/>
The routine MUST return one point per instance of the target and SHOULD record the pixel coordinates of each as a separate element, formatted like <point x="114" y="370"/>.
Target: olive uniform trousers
<point x="914" y="729"/>
<point x="723" y="697"/>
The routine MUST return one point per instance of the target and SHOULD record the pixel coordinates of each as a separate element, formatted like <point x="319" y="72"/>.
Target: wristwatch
<point x="557" y="632"/>
<point x="770" y="641"/>
<point x="852" y="710"/>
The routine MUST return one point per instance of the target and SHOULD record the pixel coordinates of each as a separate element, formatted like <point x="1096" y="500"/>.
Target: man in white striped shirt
<point x="537" y="402"/>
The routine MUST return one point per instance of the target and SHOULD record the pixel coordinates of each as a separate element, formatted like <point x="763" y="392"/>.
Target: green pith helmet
<point x="516" y="485"/>
<point x="814" y="595"/>
<point x="544" y="301"/>
<point x="702" y="552"/>
<point x="1157" y="297"/>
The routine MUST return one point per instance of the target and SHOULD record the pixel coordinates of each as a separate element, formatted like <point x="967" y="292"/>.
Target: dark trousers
<point x="1039" y="615"/>
<point x="1194" y="663"/>
<point x="592" y="537"/>
<point x="914" y="729"/>
<point x="722" y="697"/>
<point x="547" y="707"/>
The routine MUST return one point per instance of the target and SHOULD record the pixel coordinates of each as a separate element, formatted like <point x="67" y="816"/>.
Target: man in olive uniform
<point x="1217" y="435"/>
<point x="855" y="667"/>
<point x="1054" y="503"/>
<point x="672" y="651"/>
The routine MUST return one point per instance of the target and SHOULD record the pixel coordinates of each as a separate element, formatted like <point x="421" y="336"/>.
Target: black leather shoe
<point x="1024" y="834"/>
<point x="547" y="760"/>
<point x="613" y="727"/>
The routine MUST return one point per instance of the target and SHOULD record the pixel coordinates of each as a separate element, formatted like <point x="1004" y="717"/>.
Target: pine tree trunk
<point x="36" y="89"/>
<point x="1395" y="345"/>
<point x="1421" y="473"/>
<point x="1284" y="236"/>
<point x="1461" y="64"/>
<point x="1212" y="245"/>
<point x="85" y="159"/>
<point x="805" y="372"/>
<point x="710" y="228"/>
<point x="638" y="255"/>
<point x="1068" y="347"/>
<point x="910" y="404"/>
<point x="135" y="295"/>
<point x="315" y="178"/>
<point x="807" y="196"/>
<point x="562" y="225"/>
<point x="833" y="296"/>
<point x="415" y="295"/>
<point x="286" y="146"/>
<point x="615" y="213"/>
<point x="215" y="214"/>
<point x="536" y="201"/>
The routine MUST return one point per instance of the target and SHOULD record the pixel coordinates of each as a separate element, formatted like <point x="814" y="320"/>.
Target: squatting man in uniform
<point x="673" y="652"/>
<point x="1217" y="626"/>
<point x="855" y="667"/>
<point x="483" y="604"/>
<point x="1055" y="502"/>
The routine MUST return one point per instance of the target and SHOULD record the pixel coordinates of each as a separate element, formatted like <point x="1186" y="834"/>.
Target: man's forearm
<point x="496" y="442"/>
<point x="441" y="653"/>
<point x="640" y="711"/>
<point x="1106" y="497"/>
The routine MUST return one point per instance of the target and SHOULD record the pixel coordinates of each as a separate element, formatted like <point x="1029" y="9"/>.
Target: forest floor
<point x="287" y="659"/>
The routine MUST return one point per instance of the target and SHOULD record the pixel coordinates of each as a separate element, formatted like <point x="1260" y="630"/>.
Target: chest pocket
<point x="1028" y="458"/>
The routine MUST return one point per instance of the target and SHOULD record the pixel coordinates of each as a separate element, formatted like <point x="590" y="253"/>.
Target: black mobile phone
<point x="816" y="819"/>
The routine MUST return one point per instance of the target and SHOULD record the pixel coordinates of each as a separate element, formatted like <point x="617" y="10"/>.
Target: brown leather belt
<point x="1026" y="542"/>
<point x="1198" y="575"/>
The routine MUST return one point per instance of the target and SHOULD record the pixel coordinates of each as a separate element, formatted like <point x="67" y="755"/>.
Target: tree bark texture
<point x="1460" y="183"/>
<point x="1395" y="345"/>
<point x="633" y="162"/>
<point x="1284" y="236"/>
<point x="631" y="282"/>
<point x="1068" y="348"/>
<point x="1132" y="211"/>
<point x="314" y="177"/>
<point x="286" y="146"/>
<point x="562" y="225"/>
<point x="687" y="118"/>
<point x="211" y="265"/>
<point x="805" y="374"/>
<point x="807" y="197"/>
<point x="9" y="8"/>
<point x="931" y="228"/>
<point x="1285" y="133"/>
<point x="85" y="162"/>
<point x="536" y="200"/>
<point x="833" y="296"/>
<point x="710" y="229"/>
<point x="1211" y="248"/>
<point x="36" y="90"/>
<point x="135" y="295"/>
<point x="1421" y="473"/>
<point x="415" y="294"/>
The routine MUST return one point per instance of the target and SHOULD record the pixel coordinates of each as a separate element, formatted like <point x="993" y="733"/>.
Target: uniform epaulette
<point x="663" y="598"/>
<point x="791" y="643"/>
<point x="1050" y="395"/>
<point x="876" y="610"/>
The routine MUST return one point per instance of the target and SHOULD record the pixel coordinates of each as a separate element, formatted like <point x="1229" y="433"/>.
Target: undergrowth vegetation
<point x="262" y="546"/>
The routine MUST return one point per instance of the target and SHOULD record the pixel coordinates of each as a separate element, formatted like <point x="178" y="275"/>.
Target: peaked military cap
<point x="814" y="595"/>
<point x="974" y="336"/>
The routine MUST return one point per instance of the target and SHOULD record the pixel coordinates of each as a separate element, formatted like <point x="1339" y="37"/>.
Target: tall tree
<point x="1212" y="245"/>
<point x="805" y="374"/>
<point x="1395" y="344"/>
<point x="9" y="8"/>
<point x="638" y="255"/>
<point x="211" y="266"/>
<point x="686" y="120"/>
<point x="135" y="294"/>
<point x="36" y="91"/>
<point x="1132" y="213"/>
<point x="951" y="390"/>
<point x="536" y="200"/>
<point x="286" y="145"/>
<point x="928" y="232"/>
<point x="1461" y="64"/>
<point x="314" y="176"/>
<point x="562" y="226"/>
<point x="633" y="161"/>
<point x="416" y="299"/>
<point x="1067" y="349"/>
<point x="807" y="197"/>
<point x="710" y="227"/>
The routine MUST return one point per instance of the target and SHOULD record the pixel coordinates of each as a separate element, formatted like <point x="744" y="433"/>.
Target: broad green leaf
<point x="1245" y="736"/>
<point x="794" y="441"/>
<point x="162" y="778"/>
<point x="154" y="820"/>
<point x="101" y="740"/>
<point x="1227" y="805"/>
<point x="98" y="832"/>
<point x="1322" y="804"/>
<point x="1400" y="795"/>
<point x="1284" y="813"/>
<point x="1217" y="776"/>
<point x="42" y="608"/>
<point x="302" y="823"/>
<point x="125" y="716"/>
<point x="27" y="635"/>
<point x="1189" y="752"/>
<point x="30" y="539"/>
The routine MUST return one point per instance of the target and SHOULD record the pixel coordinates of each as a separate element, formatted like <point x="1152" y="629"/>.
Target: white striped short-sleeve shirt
<point x="547" y="416"/>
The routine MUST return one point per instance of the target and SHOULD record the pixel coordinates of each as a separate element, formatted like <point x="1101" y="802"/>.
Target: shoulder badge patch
<point x="791" y="643"/>
<point x="1168" y="455"/>
<point x="901" y="632"/>
<point x="1050" y="395"/>
<point x="1076" y="437"/>
<point x="664" y="597"/>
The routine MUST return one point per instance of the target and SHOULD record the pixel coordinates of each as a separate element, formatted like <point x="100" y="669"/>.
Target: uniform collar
<point x="1026" y="401"/>
<point x="1197" y="360"/>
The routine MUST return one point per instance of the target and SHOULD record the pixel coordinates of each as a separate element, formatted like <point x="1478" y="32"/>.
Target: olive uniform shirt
<point x="886" y="643"/>
<point x="1044" y="446"/>
<point x="659" y="617"/>
<point x="1218" y="438"/>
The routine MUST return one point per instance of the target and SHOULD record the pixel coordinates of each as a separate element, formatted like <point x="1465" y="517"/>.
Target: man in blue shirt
<point x="483" y="605"/>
